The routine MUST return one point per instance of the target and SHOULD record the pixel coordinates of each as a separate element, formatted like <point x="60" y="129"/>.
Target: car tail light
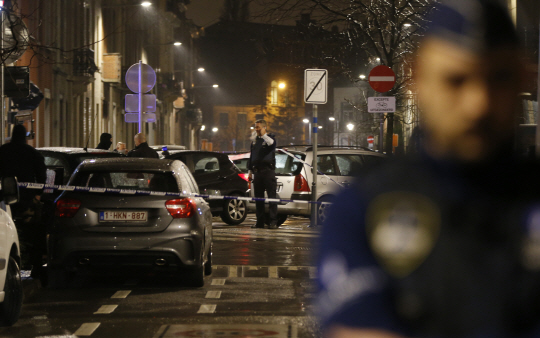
<point x="181" y="208"/>
<point x="300" y="183"/>
<point x="67" y="207"/>
<point x="245" y="177"/>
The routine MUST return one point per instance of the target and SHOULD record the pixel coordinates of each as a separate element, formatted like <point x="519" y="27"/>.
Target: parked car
<point x="294" y="178"/>
<point x="111" y="229"/>
<point x="61" y="162"/>
<point x="11" y="290"/>
<point x="165" y="147"/>
<point x="214" y="171"/>
<point x="240" y="161"/>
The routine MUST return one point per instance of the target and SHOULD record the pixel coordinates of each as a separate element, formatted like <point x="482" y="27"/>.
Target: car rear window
<point x="162" y="182"/>
<point x="286" y="165"/>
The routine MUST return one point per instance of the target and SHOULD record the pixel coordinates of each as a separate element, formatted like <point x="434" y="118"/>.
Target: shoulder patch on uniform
<point x="402" y="229"/>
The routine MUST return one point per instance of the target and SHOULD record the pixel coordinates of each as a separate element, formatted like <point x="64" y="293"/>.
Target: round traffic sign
<point x="370" y="139"/>
<point x="382" y="78"/>
<point x="148" y="78"/>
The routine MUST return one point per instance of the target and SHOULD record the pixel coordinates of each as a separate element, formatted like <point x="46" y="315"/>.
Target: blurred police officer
<point x="262" y="163"/>
<point x="446" y="242"/>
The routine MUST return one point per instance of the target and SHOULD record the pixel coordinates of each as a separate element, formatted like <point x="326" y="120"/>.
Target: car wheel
<point x="322" y="210"/>
<point x="195" y="277"/>
<point x="234" y="211"/>
<point x="58" y="277"/>
<point x="10" y="308"/>
<point x="208" y="264"/>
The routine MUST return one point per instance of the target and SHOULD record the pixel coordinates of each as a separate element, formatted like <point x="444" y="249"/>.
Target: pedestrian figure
<point x="18" y="159"/>
<point x="142" y="149"/>
<point x="261" y="165"/>
<point x="105" y="141"/>
<point x="444" y="242"/>
<point x="121" y="148"/>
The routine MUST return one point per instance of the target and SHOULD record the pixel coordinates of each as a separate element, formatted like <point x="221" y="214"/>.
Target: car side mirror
<point x="10" y="190"/>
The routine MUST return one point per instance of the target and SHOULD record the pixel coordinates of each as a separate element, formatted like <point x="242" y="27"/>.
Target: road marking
<point x="213" y="294"/>
<point x="86" y="329"/>
<point x="106" y="309"/>
<point x="218" y="281"/>
<point x="121" y="294"/>
<point x="312" y="272"/>
<point x="233" y="271"/>
<point x="207" y="308"/>
<point x="272" y="272"/>
<point x="293" y="268"/>
<point x="253" y="268"/>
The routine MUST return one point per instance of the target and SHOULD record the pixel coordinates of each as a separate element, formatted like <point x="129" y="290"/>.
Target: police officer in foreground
<point x="262" y="163"/>
<point x="445" y="242"/>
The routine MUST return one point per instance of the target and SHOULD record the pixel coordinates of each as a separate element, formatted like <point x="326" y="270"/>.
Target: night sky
<point x="204" y="12"/>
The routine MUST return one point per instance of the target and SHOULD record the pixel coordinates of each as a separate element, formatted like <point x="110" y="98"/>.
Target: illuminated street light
<point x="305" y="120"/>
<point x="214" y="129"/>
<point x="362" y="76"/>
<point x="331" y="118"/>
<point x="320" y="127"/>
<point x="281" y="85"/>
<point x="407" y="25"/>
<point x="203" y="127"/>
<point x="177" y="43"/>
<point x="215" y="85"/>
<point x="200" y="69"/>
<point x="378" y="59"/>
<point x="350" y="126"/>
<point x="146" y="3"/>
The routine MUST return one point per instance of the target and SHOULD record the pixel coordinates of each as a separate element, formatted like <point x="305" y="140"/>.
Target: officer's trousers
<point x="265" y="180"/>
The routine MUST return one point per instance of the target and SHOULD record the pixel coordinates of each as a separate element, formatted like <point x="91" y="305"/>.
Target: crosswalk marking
<point x="86" y="329"/>
<point x="207" y="308"/>
<point x="218" y="281"/>
<point x="272" y="272"/>
<point x="213" y="294"/>
<point x="121" y="294"/>
<point x="233" y="271"/>
<point x="106" y="309"/>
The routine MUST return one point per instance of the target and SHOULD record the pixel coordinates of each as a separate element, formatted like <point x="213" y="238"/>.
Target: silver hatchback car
<point x="337" y="167"/>
<point x="103" y="227"/>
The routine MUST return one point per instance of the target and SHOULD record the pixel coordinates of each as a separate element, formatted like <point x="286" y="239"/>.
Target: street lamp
<point x="146" y="3"/>
<point x="281" y="85"/>
<point x="350" y="126"/>
<point x="203" y="127"/>
<point x="306" y="121"/>
<point x="215" y="129"/>
<point x="215" y="85"/>
<point x="362" y="76"/>
<point x="200" y="69"/>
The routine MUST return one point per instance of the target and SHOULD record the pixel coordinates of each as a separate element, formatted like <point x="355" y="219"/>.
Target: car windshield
<point x="150" y="181"/>
<point x="286" y="165"/>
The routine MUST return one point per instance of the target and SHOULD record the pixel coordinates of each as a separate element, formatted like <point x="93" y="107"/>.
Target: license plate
<point x="119" y="216"/>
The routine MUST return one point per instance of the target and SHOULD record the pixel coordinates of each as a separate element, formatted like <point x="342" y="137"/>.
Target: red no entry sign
<point x="370" y="139"/>
<point x="382" y="78"/>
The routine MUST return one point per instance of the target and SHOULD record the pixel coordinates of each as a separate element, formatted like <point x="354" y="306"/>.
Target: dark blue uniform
<point x="262" y="163"/>
<point x="431" y="249"/>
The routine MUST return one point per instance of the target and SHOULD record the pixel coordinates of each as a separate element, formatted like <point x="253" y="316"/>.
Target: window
<point x="224" y="119"/>
<point x="349" y="164"/>
<point x="325" y="164"/>
<point x="163" y="182"/>
<point x="287" y="165"/>
<point x="206" y="164"/>
<point x="274" y="93"/>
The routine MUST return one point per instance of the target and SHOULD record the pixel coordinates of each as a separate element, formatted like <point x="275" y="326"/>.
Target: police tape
<point x="52" y="187"/>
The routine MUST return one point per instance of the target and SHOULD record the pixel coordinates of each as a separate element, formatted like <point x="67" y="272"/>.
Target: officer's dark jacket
<point x="24" y="162"/>
<point x="479" y="275"/>
<point x="262" y="154"/>
<point x="143" y="150"/>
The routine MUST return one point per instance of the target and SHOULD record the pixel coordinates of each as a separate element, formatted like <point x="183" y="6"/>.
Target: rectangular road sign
<point x="134" y="117"/>
<point x="148" y="104"/>
<point x="382" y="104"/>
<point x="315" y="86"/>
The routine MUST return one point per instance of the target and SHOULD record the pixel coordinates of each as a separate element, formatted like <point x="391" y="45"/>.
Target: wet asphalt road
<point x="262" y="285"/>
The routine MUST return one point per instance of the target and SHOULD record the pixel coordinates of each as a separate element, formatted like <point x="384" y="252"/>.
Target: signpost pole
<point x="314" y="182"/>
<point x="140" y="96"/>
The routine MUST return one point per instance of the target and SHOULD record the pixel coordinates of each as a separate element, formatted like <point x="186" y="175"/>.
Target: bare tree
<point x="368" y="32"/>
<point x="235" y="10"/>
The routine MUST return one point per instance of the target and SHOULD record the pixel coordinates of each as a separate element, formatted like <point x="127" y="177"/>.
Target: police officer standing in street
<point x="262" y="163"/>
<point x="142" y="149"/>
<point x="444" y="242"/>
<point x="18" y="159"/>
